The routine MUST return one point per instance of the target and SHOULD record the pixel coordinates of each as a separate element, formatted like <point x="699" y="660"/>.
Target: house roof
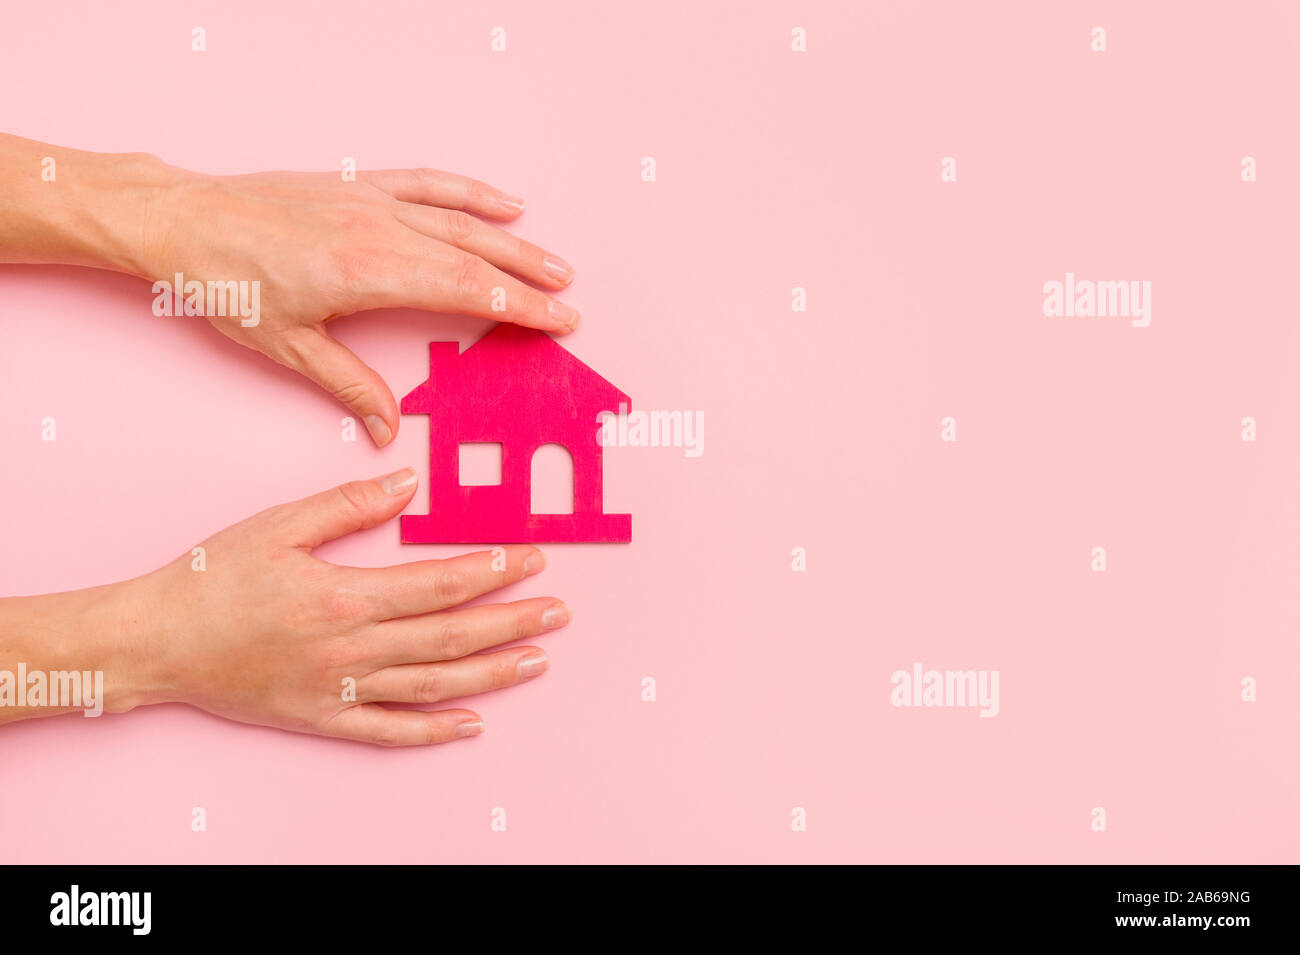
<point x="516" y="363"/>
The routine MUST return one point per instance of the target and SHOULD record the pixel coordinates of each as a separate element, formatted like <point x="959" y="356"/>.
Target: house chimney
<point x="442" y="364"/>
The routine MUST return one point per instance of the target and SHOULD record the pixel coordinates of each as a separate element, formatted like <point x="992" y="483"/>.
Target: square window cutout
<point x="480" y="463"/>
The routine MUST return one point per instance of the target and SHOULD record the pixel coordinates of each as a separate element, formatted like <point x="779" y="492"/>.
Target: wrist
<point x="84" y="649"/>
<point x="70" y="207"/>
<point x="115" y="212"/>
<point x="136" y="644"/>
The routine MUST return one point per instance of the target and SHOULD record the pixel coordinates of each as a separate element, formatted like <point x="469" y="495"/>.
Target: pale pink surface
<point x="775" y="170"/>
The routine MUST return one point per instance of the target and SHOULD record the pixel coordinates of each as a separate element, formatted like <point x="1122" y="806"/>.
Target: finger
<point x="435" y="682"/>
<point x="494" y="245"/>
<point x="451" y="635"/>
<point x="425" y="586"/>
<point x="354" y="383"/>
<point x="442" y="278"/>
<point x="342" y="510"/>
<point x="433" y="187"/>
<point x="372" y="723"/>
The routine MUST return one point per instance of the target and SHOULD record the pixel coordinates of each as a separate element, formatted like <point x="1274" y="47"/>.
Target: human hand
<point x="317" y="247"/>
<point x="320" y="248"/>
<point x="269" y="634"/>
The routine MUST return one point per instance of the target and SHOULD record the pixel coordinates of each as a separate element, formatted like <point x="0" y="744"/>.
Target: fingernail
<point x="556" y="615"/>
<point x="378" y="429"/>
<point x="534" y="563"/>
<point x="533" y="665"/>
<point x="558" y="269"/>
<point x="398" y="482"/>
<point x="469" y="728"/>
<point x="513" y="203"/>
<point x="563" y="314"/>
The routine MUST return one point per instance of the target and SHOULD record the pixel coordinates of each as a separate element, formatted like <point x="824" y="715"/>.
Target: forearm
<point x="106" y="636"/>
<point x="70" y="207"/>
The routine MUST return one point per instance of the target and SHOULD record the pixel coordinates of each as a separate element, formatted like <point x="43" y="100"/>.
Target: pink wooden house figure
<point x="516" y="387"/>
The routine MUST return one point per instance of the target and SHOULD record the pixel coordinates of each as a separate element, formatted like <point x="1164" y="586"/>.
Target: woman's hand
<point x="320" y="247"/>
<point x="317" y="246"/>
<point x="266" y="633"/>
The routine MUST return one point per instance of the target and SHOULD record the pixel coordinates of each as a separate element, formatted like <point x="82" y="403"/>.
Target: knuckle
<point x="385" y="737"/>
<point x="362" y="219"/>
<point x="426" y="177"/>
<point x="354" y="498"/>
<point x="339" y="657"/>
<point x="356" y="265"/>
<point x="349" y="393"/>
<point x="534" y="303"/>
<point x="452" y="640"/>
<point x="470" y="276"/>
<point x="429" y="685"/>
<point x="451" y="587"/>
<point x="504" y="672"/>
<point x="297" y="617"/>
<point x="525" y="251"/>
<point x="340" y="605"/>
<point x="461" y="226"/>
<point x="479" y="191"/>
<point x="433" y="732"/>
<point x="290" y="350"/>
<point x="524" y="623"/>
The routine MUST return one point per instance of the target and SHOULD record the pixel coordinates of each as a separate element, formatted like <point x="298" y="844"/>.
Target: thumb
<point x="349" y="507"/>
<point x="350" y="380"/>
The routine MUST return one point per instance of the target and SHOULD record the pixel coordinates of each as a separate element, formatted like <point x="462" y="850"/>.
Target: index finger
<point x="439" y="277"/>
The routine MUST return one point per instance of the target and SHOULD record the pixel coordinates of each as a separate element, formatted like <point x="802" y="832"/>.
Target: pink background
<point x="775" y="170"/>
